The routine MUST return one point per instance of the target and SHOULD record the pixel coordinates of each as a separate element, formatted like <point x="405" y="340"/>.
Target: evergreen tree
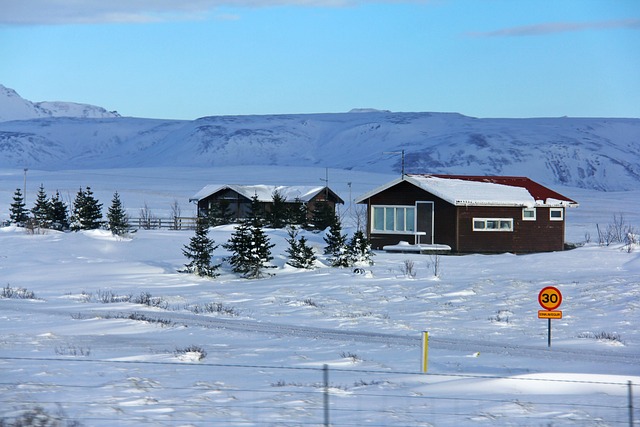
<point x="42" y="209"/>
<point x="58" y="214"/>
<point x="297" y="214"/>
<point x="199" y="252"/>
<point x="359" y="249"/>
<point x="300" y="254"/>
<point x="17" y="213"/>
<point x="323" y="216"/>
<point x="117" y="217"/>
<point x="277" y="216"/>
<point x="256" y="210"/>
<point x="87" y="211"/>
<point x="249" y="246"/>
<point x="219" y="213"/>
<point x="337" y="248"/>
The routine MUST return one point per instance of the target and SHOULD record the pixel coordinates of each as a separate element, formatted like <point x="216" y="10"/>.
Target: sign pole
<point x="549" y="334"/>
<point x="425" y="350"/>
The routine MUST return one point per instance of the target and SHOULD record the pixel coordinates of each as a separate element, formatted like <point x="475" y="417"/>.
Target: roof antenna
<point x="326" y="184"/>
<point x="396" y="153"/>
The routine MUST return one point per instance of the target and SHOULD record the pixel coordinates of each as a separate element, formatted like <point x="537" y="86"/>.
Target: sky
<point x="193" y="58"/>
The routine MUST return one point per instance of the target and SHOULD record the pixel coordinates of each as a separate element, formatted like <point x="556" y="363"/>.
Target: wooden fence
<point x="176" y="223"/>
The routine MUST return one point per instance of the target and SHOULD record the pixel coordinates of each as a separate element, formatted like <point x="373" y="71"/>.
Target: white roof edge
<point x="376" y="190"/>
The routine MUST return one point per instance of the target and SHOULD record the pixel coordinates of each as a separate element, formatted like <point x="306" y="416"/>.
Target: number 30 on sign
<point x="550" y="298"/>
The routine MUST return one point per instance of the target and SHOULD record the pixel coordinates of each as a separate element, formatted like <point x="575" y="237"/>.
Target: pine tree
<point x="277" y="216"/>
<point x="337" y="248"/>
<point x="323" y="216"/>
<point x="17" y="213"/>
<point x="359" y="249"/>
<point x="249" y="246"/>
<point x="300" y="254"/>
<point x="219" y="213"/>
<point x="58" y="214"/>
<point x="199" y="252"/>
<point x="87" y="211"/>
<point x="297" y="214"/>
<point x="117" y="217"/>
<point x="42" y="209"/>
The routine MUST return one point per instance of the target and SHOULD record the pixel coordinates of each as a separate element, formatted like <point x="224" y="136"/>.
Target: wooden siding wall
<point x="407" y="194"/>
<point x="541" y="235"/>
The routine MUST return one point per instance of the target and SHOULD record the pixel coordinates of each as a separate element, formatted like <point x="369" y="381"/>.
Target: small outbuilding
<point x="466" y="214"/>
<point x="237" y="198"/>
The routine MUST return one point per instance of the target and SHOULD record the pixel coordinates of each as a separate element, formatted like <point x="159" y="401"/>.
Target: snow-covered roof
<point x="263" y="192"/>
<point x="460" y="190"/>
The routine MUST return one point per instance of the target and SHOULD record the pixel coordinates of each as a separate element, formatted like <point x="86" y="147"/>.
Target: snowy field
<point x="104" y="338"/>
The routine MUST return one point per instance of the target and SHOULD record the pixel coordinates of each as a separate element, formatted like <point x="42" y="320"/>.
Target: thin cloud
<point x="53" y="12"/>
<point x="559" y="27"/>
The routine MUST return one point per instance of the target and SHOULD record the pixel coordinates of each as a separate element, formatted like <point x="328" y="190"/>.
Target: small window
<point x="492" y="224"/>
<point x="529" y="214"/>
<point x="556" y="214"/>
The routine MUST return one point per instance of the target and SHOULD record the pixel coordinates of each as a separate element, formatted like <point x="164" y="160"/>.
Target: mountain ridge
<point x="597" y="153"/>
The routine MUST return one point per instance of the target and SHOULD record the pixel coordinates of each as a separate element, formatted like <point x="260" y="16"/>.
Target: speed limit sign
<point x="550" y="298"/>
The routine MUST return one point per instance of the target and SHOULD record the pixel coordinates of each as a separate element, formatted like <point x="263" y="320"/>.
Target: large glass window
<point x="492" y="224"/>
<point x="393" y="219"/>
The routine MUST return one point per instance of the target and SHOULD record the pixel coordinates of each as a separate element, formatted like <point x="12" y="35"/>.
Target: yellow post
<point x="425" y="350"/>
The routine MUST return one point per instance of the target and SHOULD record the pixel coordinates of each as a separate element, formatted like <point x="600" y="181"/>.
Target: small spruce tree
<point x="323" y="216"/>
<point x="336" y="247"/>
<point x="58" y="214"/>
<point x="360" y="249"/>
<point x="297" y="214"/>
<point x="117" y="218"/>
<point x="42" y="209"/>
<point x="219" y="213"/>
<point x="17" y="212"/>
<point x="249" y="246"/>
<point x="277" y="216"/>
<point x="199" y="251"/>
<point x="300" y="253"/>
<point x="87" y="211"/>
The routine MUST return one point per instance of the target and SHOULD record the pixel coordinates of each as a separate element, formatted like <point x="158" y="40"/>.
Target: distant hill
<point x="14" y="107"/>
<point x="598" y="153"/>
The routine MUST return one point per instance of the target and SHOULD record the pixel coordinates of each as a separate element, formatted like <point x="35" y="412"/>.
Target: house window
<point x="492" y="224"/>
<point x="529" y="214"/>
<point x="393" y="219"/>
<point x="556" y="214"/>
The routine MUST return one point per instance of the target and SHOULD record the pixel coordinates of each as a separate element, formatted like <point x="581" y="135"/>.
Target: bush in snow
<point x="16" y="293"/>
<point x="192" y="352"/>
<point x="300" y="253"/>
<point x="39" y="417"/>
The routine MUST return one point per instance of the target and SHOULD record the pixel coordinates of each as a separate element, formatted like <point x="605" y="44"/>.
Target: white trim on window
<point x="528" y="214"/>
<point x="393" y="219"/>
<point x="556" y="214"/>
<point x="492" y="224"/>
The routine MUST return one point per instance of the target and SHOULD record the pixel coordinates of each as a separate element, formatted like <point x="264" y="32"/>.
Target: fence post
<point x="630" y="387"/>
<point x="325" y="368"/>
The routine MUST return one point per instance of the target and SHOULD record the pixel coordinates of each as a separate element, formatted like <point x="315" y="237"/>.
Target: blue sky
<point x="192" y="58"/>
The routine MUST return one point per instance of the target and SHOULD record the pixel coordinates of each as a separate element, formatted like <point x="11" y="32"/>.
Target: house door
<point x="424" y="222"/>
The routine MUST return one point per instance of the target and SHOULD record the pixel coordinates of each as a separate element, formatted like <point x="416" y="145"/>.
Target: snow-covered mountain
<point x="14" y="107"/>
<point x="596" y="153"/>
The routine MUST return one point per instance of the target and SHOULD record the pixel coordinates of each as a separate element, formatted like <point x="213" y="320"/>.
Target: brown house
<point x="239" y="197"/>
<point x="484" y="214"/>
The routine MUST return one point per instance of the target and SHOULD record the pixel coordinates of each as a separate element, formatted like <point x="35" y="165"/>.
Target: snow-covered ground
<point x="266" y="341"/>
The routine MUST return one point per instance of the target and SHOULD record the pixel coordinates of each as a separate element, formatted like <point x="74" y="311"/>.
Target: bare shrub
<point x="192" y="350"/>
<point x="108" y="296"/>
<point x="16" y="293"/>
<point x="408" y="269"/>
<point x="602" y="336"/>
<point x="213" y="308"/>
<point x="146" y="298"/>
<point x="39" y="417"/>
<point x="73" y="350"/>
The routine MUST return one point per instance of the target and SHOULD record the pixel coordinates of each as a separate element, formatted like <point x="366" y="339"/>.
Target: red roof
<point x="537" y="191"/>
